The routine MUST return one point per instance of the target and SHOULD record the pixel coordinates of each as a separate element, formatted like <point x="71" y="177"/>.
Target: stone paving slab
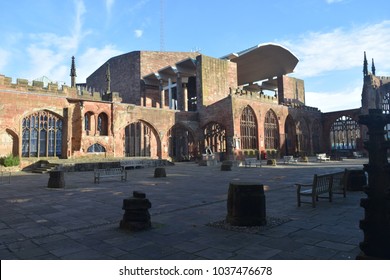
<point x="81" y="221"/>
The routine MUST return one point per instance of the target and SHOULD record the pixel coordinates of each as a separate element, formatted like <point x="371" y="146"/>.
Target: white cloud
<point x="333" y="1"/>
<point x="109" y="4"/>
<point x="341" y="49"/>
<point x="138" y="33"/>
<point x="49" y="54"/>
<point x="333" y="101"/>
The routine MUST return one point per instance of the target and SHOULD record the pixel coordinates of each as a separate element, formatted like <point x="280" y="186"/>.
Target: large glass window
<point x="248" y="128"/>
<point x="41" y="135"/>
<point x="343" y="134"/>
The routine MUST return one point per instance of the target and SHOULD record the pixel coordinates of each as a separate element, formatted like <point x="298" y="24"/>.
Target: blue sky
<point x="328" y="36"/>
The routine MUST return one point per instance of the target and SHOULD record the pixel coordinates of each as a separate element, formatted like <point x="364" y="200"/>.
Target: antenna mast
<point x="162" y="21"/>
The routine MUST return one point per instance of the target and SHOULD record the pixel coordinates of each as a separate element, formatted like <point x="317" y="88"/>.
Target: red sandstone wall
<point x="215" y="77"/>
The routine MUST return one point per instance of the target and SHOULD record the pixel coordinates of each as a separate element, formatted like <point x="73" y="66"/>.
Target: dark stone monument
<point x="160" y="172"/>
<point x="376" y="223"/>
<point x="56" y="179"/>
<point x="137" y="216"/>
<point x="246" y="204"/>
<point x="355" y="179"/>
<point x="226" y="165"/>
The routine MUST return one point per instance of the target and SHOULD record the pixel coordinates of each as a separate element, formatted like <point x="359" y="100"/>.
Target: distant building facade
<point x="174" y="105"/>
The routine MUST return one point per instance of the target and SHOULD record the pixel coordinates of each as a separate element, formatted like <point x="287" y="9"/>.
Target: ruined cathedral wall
<point x="16" y="103"/>
<point x="159" y="122"/>
<point x="293" y="90"/>
<point x="260" y="110"/>
<point x="215" y="77"/>
<point x="123" y="69"/>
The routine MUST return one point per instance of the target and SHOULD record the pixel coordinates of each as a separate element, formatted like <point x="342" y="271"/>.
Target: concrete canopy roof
<point x="261" y="62"/>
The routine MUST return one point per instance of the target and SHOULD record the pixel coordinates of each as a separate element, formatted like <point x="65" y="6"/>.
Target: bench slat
<point x="109" y="172"/>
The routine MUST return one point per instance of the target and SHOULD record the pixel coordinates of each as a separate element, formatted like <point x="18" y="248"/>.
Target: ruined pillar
<point x="376" y="222"/>
<point x="185" y="97"/>
<point x="162" y="95"/>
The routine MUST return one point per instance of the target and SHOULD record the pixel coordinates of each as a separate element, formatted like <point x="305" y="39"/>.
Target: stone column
<point x="162" y="95"/>
<point x="376" y="223"/>
<point x="185" y="97"/>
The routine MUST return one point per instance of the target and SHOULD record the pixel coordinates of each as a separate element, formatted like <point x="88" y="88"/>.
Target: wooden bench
<point x="322" y="157"/>
<point x="289" y="159"/>
<point x="249" y="162"/>
<point x="109" y="172"/>
<point x="339" y="185"/>
<point x="357" y="154"/>
<point x="322" y="184"/>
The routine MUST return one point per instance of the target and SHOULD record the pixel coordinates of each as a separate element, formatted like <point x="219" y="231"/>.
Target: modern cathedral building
<point x="174" y="105"/>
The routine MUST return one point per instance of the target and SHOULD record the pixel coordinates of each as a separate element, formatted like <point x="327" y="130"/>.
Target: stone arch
<point x="182" y="145"/>
<point x="316" y="136"/>
<point x="42" y="134"/>
<point x="141" y="140"/>
<point x="303" y="137"/>
<point x="96" y="148"/>
<point x="215" y="137"/>
<point x="9" y="143"/>
<point x="271" y="131"/>
<point x="249" y="129"/>
<point x="290" y="135"/>
<point x="103" y="124"/>
<point x="89" y="123"/>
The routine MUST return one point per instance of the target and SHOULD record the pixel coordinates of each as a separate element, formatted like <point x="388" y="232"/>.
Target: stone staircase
<point x="45" y="168"/>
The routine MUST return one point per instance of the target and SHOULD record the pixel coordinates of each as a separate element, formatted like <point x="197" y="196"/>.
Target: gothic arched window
<point x="215" y="137"/>
<point x="248" y="128"/>
<point x="343" y="134"/>
<point x="271" y="131"/>
<point x="87" y="121"/>
<point x="103" y="124"/>
<point x="96" y="148"/>
<point x="42" y="135"/>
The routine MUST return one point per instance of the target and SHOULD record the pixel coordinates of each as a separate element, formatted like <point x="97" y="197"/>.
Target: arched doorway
<point x="303" y="137"/>
<point x="9" y="142"/>
<point x="181" y="144"/>
<point x="290" y="136"/>
<point x="316" y="137"/>
<point x="141" y="140"/>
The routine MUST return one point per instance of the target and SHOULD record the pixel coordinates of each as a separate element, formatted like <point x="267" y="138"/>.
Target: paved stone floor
<point x="81" y="221"/>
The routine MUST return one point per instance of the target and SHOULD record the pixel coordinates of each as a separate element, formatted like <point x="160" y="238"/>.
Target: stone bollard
<point x="56" y="179"/>
<point x="159" y="172"/>
<point x="246" y="204"/>
<point x="226" y="166"/>
<point x="136" y="215"/>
